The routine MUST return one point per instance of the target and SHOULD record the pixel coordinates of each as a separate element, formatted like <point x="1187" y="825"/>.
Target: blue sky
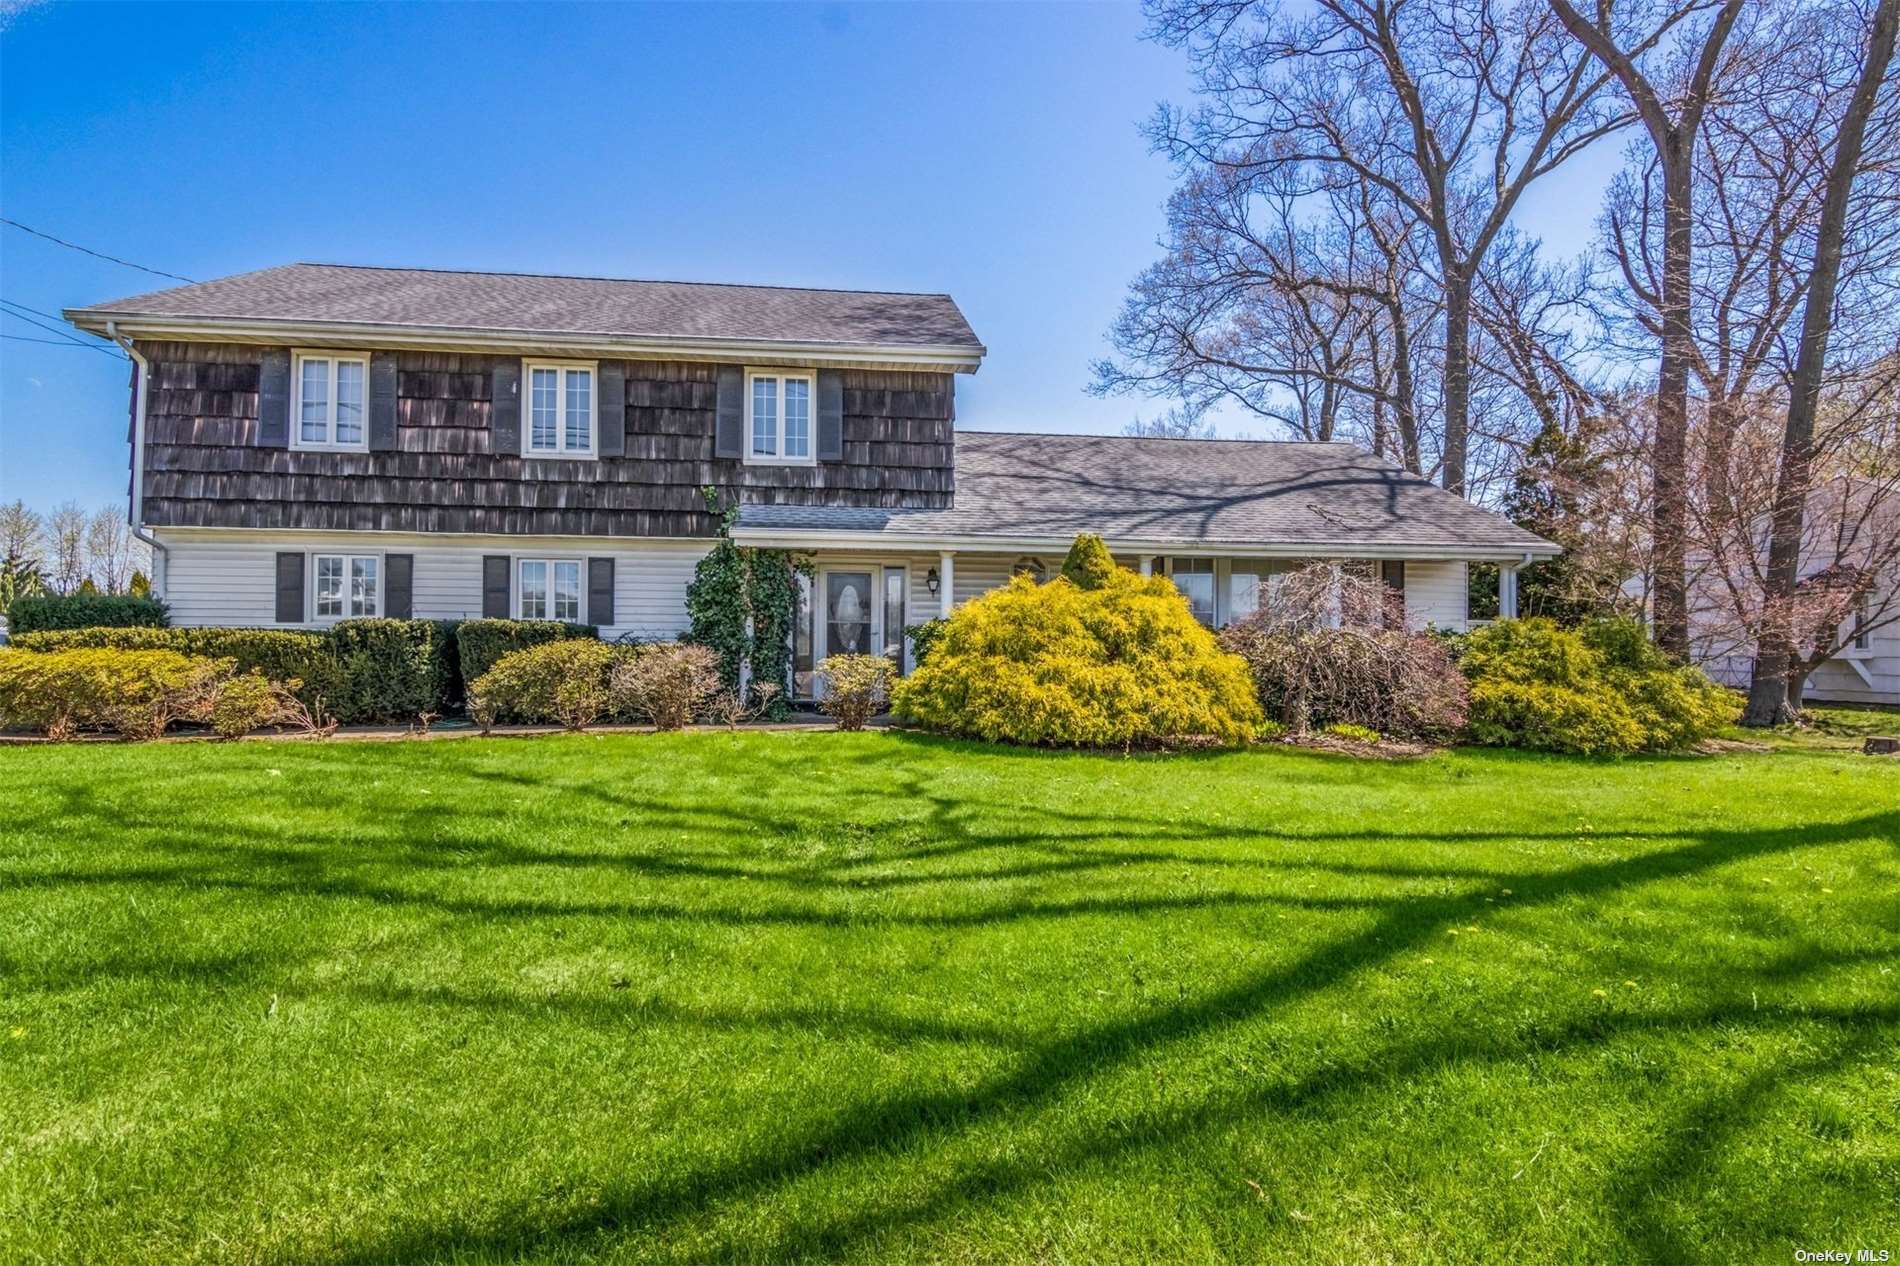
<point x="991" y="151"/>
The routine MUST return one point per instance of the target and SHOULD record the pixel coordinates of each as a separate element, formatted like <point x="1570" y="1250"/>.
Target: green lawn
<point x="772" y="996"/>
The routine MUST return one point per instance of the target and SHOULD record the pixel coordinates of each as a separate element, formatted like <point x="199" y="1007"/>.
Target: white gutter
<point x="136" y="515"/>
<point x="963" y="358"/>
<point x="816" y="538"/>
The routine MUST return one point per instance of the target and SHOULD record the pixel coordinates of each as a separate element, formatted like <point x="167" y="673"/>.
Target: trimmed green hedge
<point x="42" y="612"/>
<point x="389" y="670"/>
<point x="279" y="654"/>
<point x="480" y="644"/>
<point x="363" y="672"/>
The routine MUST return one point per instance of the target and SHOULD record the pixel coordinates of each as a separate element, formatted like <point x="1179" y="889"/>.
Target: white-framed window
<point x="558" y="409"/>
<point x="780" y="409"/>
<point x="329" y="405"/>
<point x="346" y="586"/>
<point x="1859" y="623"/>
<point x="1194" y="577"/>
<point x="550" y="589"/>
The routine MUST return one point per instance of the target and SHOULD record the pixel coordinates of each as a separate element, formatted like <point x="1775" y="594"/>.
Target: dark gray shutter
<point x="290" y="588"/>
<point x="504" y="413"/>
<point x="382" y="402"/>
<point x="496" y="569"/>
<point x="1392" y="572"/>
<point x="830" y="415"/>
<point x="611" y="432"/>
<point x="273" y="399"/>
<point x="399" y="572"/>
<point x="600" y="592"/>
<point x="729" y="423"/>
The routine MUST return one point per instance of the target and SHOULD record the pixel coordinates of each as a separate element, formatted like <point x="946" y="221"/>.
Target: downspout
<point x="160" y="555"/>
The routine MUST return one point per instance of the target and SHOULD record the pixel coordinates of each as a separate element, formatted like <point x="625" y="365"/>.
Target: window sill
<point x="781" y="461"/>
<point x="302" y="447"/>
<point x="568" y="456"/>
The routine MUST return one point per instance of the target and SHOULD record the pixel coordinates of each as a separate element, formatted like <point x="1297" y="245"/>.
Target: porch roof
<point x="1226" y="496"/>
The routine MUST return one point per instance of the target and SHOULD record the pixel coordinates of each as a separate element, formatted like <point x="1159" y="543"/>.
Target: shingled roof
<point x="1020" y="487"/>
<point x="320" y="294"/>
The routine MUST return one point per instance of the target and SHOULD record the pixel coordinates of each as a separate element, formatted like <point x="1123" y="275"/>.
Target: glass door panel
<point x="848" y="613"/>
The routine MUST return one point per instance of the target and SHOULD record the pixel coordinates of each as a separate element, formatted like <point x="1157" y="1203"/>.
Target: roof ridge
<point x="1168" y="439"/>
<point x="635" y="281"/>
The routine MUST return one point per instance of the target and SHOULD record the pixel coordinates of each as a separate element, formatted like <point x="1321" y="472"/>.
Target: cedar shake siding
<point x="205" y="466"/>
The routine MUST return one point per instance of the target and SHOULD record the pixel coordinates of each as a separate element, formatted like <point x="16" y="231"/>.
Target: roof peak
<point x="631" y="281"/>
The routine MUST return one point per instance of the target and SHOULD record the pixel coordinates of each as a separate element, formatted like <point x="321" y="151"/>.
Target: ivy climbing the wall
<point x="742" y="604"/>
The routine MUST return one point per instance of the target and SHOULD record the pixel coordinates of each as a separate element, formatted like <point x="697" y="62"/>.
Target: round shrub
<point x="668" y="683"/>
<point x="244" y="703"/>
<point x="133" y="693"/>
<point x="1120" y="664"/>
<point x="1602" y="687"/>
<point x="480" y="644"/>
<point x="564" y="683"/>
<point x="857" y="687"/>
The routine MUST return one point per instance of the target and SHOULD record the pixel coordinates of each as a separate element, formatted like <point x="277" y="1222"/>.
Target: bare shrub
<point x="857" y="687"/>
<point x="669" y="683"/>
<point x="1328" y="647"/>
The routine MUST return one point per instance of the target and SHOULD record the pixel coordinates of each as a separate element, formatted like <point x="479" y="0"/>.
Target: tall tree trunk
<point x="1669" y="512"/>
<point x="1405" y="404"/>
<point x="1773" y="688"/>
<point x="1457" y="375"/>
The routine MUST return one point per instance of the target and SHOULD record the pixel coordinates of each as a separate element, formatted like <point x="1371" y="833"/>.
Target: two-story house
<point x="316" y="442"/>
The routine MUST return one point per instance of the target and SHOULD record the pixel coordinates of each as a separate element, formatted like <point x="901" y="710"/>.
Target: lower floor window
<point x="551" y="589"/>
<point x="1194" y="577"/>
<point x="347" y="586"/>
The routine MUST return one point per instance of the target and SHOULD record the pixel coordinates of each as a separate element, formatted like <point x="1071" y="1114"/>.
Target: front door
<point x="851" y="622"/>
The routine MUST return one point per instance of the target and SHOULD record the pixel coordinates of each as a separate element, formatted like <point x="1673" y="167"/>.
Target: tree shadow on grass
<point x="921" y="1120"/>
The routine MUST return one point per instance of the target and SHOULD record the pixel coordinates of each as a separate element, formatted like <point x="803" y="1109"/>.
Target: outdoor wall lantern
<point x="932" y="580"/>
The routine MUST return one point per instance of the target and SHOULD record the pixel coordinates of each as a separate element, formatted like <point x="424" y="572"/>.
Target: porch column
<point x="1507" y="593"/>
<point x="946" y="582"/>
<point x="1147" y="564"/>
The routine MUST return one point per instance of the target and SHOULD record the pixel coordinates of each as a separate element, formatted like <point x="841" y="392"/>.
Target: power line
<point x="6" y="307"/>
<point x="60" y="342"/>
<point x="84" y="250"/>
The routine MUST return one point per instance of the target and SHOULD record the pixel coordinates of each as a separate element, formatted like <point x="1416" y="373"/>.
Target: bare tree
<point x="65" y="547"/>
<point x="1433" y="119"/>
<point x="1176" y="424"/>
<point x="110" y="557"/>
<point x="1671" y="104"/>
<point x="1768" y="700"/>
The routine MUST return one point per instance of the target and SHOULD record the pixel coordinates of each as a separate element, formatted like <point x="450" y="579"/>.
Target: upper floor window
<point x="347" y="586"/>
<point x="778" y="416"/>
<point x="551" y="589"/>
<point x="332" y="392"/>
<point x="560" y="404"/>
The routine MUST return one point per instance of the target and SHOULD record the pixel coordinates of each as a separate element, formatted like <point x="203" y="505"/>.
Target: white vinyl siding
<point x="230" y="577"/>
<point x="1435" y="594"/>
<point x="216" y="577"/>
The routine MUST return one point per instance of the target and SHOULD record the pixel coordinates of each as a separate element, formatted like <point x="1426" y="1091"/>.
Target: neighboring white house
<point x="1853" y="529"/>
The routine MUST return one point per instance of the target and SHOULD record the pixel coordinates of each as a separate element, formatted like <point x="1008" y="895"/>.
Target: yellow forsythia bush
<point x="1121" y="663"/>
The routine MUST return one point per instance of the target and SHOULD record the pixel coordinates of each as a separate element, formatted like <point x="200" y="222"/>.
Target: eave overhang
<point x="949" y="358"/>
